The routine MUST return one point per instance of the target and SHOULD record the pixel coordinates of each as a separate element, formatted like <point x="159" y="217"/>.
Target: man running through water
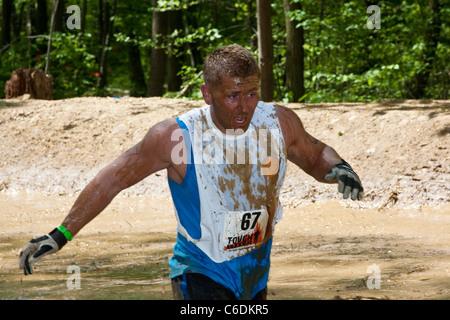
<point x="225" y="163"/>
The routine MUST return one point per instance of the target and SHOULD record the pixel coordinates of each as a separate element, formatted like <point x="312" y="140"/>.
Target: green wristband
<point x="65" y="232"/>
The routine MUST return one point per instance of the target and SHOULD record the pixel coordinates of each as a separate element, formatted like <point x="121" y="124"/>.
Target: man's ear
<point x="206" y="94"/>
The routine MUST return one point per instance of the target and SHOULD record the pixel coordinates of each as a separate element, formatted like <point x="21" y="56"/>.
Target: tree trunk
<point x="158" y="55"/>
<point x="7" y="9"/>
<point x="41" y="17"/>
<point x="100" y="24"/>
<point x="52" y="28"/>
<point x="194" y="54"/>
<point x="108" y="31"/>
<point x="265" y="47"/>
<point x="295" y="64"/>
<point x="59" y="15"/>
<point x="17" y="20"/>
<point x="29" y="81"/>
<point x="82" y="20"/>
<point x="251" y="20"/>
<point x="83" y="16"/>
<point x="420" y="80"/>
<point x="136" y="72"/>
<point x="174" y="80"/>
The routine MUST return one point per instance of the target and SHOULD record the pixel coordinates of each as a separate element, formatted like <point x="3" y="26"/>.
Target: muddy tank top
<point x="228" y="203"/>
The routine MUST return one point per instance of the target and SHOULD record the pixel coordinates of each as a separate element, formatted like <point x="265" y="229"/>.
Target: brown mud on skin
<point x="322" y="247"/>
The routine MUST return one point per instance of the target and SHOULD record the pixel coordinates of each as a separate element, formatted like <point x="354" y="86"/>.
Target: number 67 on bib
<point x="244" y="229"/>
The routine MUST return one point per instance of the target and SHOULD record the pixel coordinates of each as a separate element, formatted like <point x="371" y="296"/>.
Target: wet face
<point x="233" y="101"/>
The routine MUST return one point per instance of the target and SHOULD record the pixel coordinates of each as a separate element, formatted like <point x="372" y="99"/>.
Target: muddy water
<point x="326" y="250"/>
<point x="329" y="250"/>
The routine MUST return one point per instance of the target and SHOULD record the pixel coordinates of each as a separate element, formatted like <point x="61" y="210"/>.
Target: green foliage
<point x="71" y="64"/>
<point x="344" y="60"/>
<point x="167" y="5"/>
<point x="192" y="79"/>
<point x="204" y="38"/>
<point x="13" y="58"/>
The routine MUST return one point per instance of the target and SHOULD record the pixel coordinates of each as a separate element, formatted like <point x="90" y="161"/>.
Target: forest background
<point x="309" y="50"/>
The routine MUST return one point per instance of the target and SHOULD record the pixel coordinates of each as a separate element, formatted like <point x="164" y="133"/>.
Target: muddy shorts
<point x="196" y="286"/>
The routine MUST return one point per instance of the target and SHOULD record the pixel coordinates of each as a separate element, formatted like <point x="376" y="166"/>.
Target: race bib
<point x="244" y="229"/>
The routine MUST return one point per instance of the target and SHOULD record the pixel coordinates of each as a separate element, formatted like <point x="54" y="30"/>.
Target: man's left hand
<point x="348" y="181"/>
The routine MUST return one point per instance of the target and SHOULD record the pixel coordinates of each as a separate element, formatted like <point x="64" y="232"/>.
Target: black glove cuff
<point x="59" y="237"/>
<point x="345" y="165"/>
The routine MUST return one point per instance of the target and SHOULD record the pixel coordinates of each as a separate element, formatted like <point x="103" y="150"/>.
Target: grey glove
<point x="348" y="180"/>
<point x="40" y="247"/>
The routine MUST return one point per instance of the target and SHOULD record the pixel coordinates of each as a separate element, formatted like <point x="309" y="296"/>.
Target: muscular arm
<point x="148" y="156"/>
<point x="153" y="153"/>
<point x="311" y="155"/>
<point x="316" y="158"/>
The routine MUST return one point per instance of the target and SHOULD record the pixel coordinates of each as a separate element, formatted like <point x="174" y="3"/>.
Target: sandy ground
<point x="324" y="248"/>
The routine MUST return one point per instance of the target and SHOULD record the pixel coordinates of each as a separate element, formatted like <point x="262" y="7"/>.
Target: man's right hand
<point x="40" y="247"/>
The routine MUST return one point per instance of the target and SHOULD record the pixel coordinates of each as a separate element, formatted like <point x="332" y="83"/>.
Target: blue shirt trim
<point x="185" y="195"/>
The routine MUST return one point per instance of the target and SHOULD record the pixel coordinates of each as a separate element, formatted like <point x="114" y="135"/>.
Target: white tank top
<point x="238" y="180"/>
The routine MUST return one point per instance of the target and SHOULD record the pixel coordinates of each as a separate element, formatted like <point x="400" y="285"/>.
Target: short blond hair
<point x="232" y="60"/>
